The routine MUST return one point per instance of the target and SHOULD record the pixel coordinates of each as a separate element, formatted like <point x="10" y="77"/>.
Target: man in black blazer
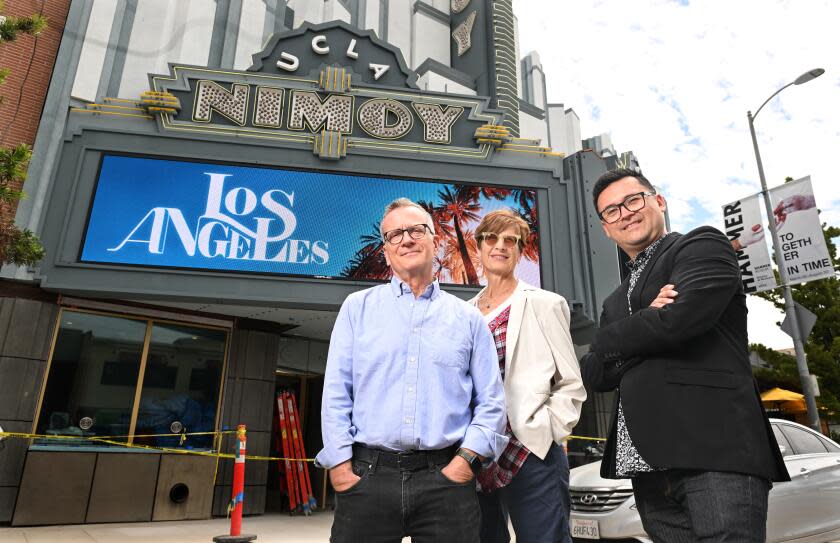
<point x="688" y="428"/>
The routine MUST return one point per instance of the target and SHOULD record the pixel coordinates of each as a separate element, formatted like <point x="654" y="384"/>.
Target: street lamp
<point x="790" y="308"/>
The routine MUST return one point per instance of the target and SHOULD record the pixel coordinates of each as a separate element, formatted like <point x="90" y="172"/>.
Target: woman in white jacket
<point x="529" y="483"/>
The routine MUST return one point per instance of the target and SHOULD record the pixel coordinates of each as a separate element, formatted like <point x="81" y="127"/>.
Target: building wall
<point x="399" y="26"/>
<point x="248" y="400"/>
<point x="601" y="144"/>
<point x="564" y="126"/>
<point x="572" y="127"/>
<point x="434" y="82"/>
<point x="128" y="39"/>
<point x="518" y="55"/>
<point x="429" y="37"/>
<point x="27" y="323"/>
<point x="250" y="38"/>
<point x="533" y="80"/>
<point x="26" y="330"/>
<point x="123" y="41"/>
<point x="30" y="61"/>
<point x="370" y="17"/>
<point x="532" y="127"/>
<point x="94" y="49"/>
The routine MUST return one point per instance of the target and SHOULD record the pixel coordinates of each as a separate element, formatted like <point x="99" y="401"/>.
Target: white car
<point x="804" y="510"/>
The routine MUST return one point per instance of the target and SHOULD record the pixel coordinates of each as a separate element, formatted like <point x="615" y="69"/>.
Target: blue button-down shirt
<point x="406" y="373"/>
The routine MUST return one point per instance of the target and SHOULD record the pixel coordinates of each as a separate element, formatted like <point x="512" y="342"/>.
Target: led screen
<point x="194" y="215"/>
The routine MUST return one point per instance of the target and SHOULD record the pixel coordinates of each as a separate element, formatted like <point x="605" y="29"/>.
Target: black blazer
<point x="683" y="371"/>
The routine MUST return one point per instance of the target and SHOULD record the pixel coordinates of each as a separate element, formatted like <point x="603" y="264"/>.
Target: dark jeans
<point x="681" y="506"/>
<point x="536" y="500"/>
<point x="388" y="504"/>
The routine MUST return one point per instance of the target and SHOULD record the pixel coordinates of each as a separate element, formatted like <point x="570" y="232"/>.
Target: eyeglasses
<point x="632" y="203"/>
<point x="415" y="232"/>
<point x="492" y="238"/>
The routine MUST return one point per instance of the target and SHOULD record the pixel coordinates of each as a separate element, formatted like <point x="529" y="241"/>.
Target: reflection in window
<point x="803" y="441"/>
<point x="782" y="441"/>
<point x="93" y="377"/>
<point x="180" y="385"/>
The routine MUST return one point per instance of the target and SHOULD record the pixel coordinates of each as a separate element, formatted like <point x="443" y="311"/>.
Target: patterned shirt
<point x="501" y="472"/>
<point x="628" y="461"/>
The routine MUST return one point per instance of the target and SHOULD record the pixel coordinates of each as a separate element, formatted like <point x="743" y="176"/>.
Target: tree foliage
<point x="17" y="246"/>
<point x="10" y="27"/>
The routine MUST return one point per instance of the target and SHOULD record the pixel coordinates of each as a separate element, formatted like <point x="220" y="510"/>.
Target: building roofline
<point x="457" y="76"/>
<point x="531" y="109"/>
<point x="431" y="11"/>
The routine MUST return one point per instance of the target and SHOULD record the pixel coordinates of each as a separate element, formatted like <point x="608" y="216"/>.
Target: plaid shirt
<point x="501" y="473"/>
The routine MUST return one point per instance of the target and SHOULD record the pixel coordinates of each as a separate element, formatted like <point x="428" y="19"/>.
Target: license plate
<point x="585" y="528"/>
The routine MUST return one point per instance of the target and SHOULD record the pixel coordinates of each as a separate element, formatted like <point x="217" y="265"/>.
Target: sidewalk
<point x="270" y="528"/>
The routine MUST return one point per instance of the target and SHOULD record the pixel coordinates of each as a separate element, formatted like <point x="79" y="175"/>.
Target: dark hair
<point x="615" y="175"/>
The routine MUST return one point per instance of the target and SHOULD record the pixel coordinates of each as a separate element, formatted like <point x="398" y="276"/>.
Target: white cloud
<point x="761" y="327"/>
<point x="673" y="81"/>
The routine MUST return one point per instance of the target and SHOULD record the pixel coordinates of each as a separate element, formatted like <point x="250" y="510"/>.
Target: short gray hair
<point x="405" y="202"/>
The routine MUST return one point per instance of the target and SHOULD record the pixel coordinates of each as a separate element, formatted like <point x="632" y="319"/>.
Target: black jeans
<point x="536" y="500"/>
<point x="388" y="504"/>
<point x="682" y="506"/>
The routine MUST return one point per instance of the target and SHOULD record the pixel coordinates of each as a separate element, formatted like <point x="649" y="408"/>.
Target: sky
<point x="673" y="80"/>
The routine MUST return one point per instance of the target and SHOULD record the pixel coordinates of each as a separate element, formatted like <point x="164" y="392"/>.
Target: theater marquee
<point x="332" y="88"/>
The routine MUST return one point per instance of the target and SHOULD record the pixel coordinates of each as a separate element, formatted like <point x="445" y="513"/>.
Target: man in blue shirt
<point x="413" y="401"/>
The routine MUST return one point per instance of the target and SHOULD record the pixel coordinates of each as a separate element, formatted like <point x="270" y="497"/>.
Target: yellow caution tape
<point x="112" y="440"/>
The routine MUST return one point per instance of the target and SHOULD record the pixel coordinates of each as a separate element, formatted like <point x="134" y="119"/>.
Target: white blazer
<point x="543" y="387"/>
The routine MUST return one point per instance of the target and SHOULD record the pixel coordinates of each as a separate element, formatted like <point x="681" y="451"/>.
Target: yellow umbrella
<point x="785" y="401"/>
<point x="780" y="395"/>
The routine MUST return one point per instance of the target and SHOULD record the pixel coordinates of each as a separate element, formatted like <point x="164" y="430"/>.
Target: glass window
<point x="803" y="441"/>
<point x="831" y="446"/>
<point x="782" y="441"/>
<point x="93" y="377"/>
<point x="180" y="385"/>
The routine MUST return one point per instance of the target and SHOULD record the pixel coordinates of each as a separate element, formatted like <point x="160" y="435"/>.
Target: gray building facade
<point x="111" y="341"/>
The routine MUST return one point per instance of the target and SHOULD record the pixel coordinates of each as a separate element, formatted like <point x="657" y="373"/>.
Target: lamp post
<point x="790" y="308"/>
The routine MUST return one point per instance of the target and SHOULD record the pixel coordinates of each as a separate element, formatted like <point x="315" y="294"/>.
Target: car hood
<point x="589" y="476"/>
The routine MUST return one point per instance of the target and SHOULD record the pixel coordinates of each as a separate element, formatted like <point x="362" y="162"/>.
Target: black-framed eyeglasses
<point x="492" y="238"/>
<point x="415" y="232"/>
<point x="632" y="203"/>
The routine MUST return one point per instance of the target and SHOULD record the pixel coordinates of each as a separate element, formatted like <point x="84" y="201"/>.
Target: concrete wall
<point x="26" y="330"/>
<point x="564" y="126"/>
<point x="533" y="127"/>
<point x="399" y="26"/>
<point x="248" y="400"/>
<point x="127" y="39"/>
<point x="250" y="38"/>
<point x="429" y="37"/>
<point x="435" y="82"/>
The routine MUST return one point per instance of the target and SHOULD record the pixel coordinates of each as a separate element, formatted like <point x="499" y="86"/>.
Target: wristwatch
<point x="473" y="459"/>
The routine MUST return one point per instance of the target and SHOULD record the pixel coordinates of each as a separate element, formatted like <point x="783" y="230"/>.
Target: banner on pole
<point x="797" y="222"/>
<point x="743" y="224"/>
